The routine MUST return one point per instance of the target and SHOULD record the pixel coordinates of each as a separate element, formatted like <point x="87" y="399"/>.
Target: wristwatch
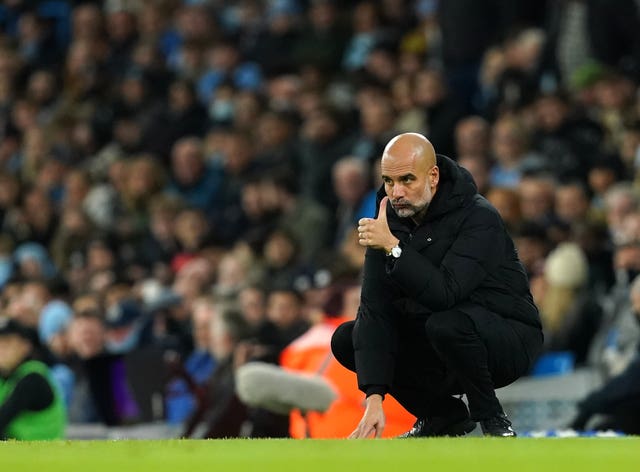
<point x="396" y="251"/>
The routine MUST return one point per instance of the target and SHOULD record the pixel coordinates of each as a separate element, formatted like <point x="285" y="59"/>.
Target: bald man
<point x="445" y="307"/>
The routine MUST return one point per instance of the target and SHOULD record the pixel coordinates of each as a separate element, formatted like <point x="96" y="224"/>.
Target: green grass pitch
<point x="441" y="454"/>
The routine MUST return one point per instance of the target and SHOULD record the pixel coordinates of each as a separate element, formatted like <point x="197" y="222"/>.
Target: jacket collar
<point x="455" y="190"/>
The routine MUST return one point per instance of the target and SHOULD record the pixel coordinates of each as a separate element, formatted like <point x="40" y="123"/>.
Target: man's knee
<point x="444" y="328"/>
<point x="342" y="345"/>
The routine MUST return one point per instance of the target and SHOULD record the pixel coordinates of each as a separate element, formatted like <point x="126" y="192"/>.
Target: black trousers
<point x="452" y="352"/>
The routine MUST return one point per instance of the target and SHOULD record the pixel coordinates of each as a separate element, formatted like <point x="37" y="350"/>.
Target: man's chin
<point x="404" y="212"/>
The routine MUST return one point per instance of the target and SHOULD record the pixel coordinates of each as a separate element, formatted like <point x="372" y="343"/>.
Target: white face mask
<point x="221" y="110"/>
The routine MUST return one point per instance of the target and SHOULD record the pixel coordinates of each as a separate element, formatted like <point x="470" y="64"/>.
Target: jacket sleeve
<point x="476" y="251"/>
<point x="375" y="332"/>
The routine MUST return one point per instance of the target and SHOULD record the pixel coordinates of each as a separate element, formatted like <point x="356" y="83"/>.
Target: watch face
<point x="396" y="251"/>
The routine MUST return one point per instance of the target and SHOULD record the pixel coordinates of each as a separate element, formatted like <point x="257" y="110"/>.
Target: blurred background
<point x="180" y="183"/>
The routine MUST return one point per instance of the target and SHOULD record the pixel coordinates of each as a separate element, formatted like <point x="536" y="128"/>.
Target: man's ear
<point x="434" y="176"/>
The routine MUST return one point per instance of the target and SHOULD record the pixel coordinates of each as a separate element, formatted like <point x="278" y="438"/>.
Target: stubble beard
<point x="409" y="210"/>
<point x="413" y="210"/>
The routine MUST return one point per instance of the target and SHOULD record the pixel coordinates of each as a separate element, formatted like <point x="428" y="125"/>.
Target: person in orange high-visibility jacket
<point x="311" y="354"/>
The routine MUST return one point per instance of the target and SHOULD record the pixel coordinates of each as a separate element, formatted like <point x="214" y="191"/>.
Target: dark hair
<point x="286" y="288"/>
<point x="235" y="324"/>
<point x="285" y="180"/>
<point x="12" y="326"/>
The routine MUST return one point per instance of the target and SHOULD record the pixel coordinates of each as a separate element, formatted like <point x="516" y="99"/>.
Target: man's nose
<point x="397" y="191"/>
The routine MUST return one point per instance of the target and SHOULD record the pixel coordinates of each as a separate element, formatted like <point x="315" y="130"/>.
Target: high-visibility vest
<point x="34" y="425"/>
<point x="311" y="353"/>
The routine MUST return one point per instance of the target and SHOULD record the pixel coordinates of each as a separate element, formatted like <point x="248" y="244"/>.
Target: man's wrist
<point x="375" y="398"/>
<point x="392" y="244"/>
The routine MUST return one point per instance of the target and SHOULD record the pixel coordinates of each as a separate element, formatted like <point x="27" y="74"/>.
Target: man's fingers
<point x="364" y="431"/>
<point x="382" y="214"/>
<point x="370" y="431"/>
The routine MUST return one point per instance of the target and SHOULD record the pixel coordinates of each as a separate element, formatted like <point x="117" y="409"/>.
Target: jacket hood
<point x="455" y="189"/>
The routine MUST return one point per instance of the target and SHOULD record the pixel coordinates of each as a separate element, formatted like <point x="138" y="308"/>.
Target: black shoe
<point x="499" y="426"/>
<point x="437" y="427"/>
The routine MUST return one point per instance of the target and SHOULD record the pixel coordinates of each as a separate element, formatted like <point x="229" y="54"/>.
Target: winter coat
<point x="460" y="256"/>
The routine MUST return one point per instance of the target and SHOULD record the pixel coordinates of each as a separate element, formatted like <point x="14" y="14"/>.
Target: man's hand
<point x="375" y="233"/>
<point x="373" y="420"/>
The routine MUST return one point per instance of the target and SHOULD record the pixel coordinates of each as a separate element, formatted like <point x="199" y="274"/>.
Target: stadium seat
<point x="554" y="363"/>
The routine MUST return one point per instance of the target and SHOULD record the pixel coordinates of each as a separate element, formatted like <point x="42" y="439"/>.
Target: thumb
<point x="382" y="213"/>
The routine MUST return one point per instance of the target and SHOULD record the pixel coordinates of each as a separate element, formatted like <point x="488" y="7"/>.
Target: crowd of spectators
<point x="185" y="177"/>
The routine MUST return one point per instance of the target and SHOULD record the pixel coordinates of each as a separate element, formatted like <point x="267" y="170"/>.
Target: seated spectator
<point x="101" y="393"/>
<point x="619" y="200"/>
<point x="515" y="72"/>
<point x="569" y="145"/>
<point x="350" y="183"/>
<point x="411" y="118"/>
<point x="367" y="31"/>
<point x="602" y="175"/>
<point x="219" y="412"/>
<point x="479" y="167"/>
<point x="274" y="139"/>
<point x="616" y="341"/>
<point x="507" y="202"/>
<point x="472" y="137"/>
<point x="33" y="262"/>
<point x="29" y="300"/>
<point x="512" y="153"/>
<point x="533" y="245"/>
<point x="537" y="198"/>
<point x="323" y="39"/>
<point x="570" y="314"/>
<point x="224" y="64"/>
<point x="193" y="180"/>
<point x="303" y="218"/>
<point x="252" y="305"/>
<point x="377" y="117"/>
<point x="324" y="139"/>
<point x="285" y="323"/>
<point x="125" y="325"/>
<point x="30" y="406"/>
<point x="72" y="236"/>
<point x="181" y="116"/>
<point x="198" y="366"/>
<point x="442" y="108"/>
<point x="281" y="258"/>
<point x="193" y="275"/>
<point x="572" y="204"/>
<point x="350" y="262"/>
<point x="616" y="405"/>
<point x="159" y="245"/>
<point x="234" y="270"/>
<point x="53" y="324"/>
